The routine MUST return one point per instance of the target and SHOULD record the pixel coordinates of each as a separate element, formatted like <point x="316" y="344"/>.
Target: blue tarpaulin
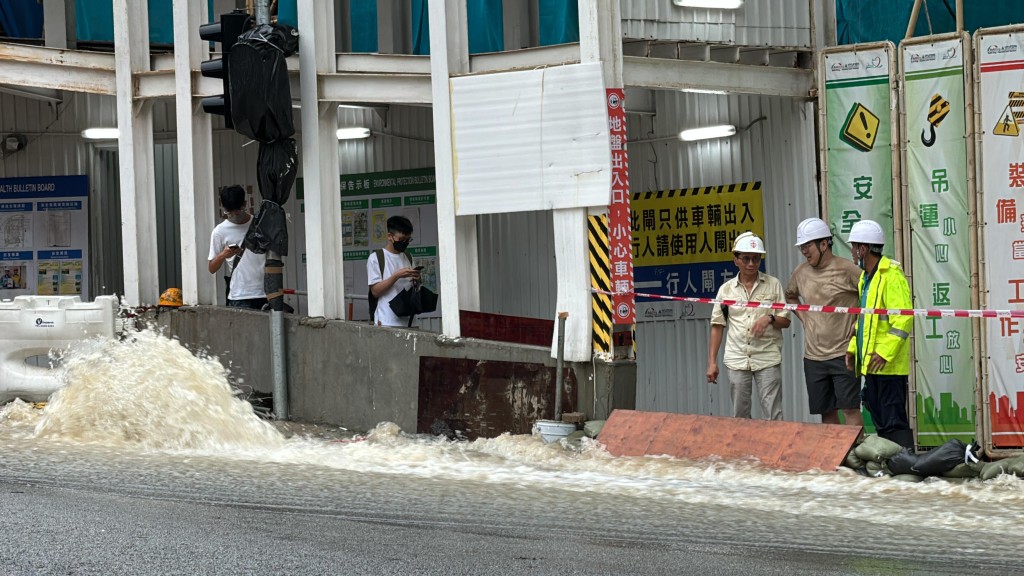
<point x="485" y="26"/>
<point x="874" y="20"/>
<point x="559" y="21"/>
<point x="21" y="18"/>
<point x="94" y="21"/>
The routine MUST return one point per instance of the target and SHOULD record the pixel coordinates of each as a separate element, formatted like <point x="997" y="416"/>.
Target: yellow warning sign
<point x="1007" y="126"/>
<point x="1012" y="116"/>
<point x="938" y="110"/>
<point x="860" y="128"/>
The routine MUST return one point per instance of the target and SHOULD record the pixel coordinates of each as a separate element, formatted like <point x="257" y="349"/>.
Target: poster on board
<point x="44" y="236"/>
<point x="1001" y="213"/>
<point x="935" y="141"/>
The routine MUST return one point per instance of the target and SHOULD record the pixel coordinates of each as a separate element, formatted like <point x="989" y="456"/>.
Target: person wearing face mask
<point x="753" y="347"/>
<point x="879" y="349"/>
<point x="244" y="270"/>
<point x="389" y="271"/>
<point x="826" y="280"/>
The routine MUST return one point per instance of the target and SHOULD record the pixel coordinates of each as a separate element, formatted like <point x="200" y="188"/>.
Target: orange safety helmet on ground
<point x="171" y="297"/>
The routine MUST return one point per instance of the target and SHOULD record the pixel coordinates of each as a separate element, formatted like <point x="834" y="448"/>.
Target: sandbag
<point x="903" y="462"/>
<point x="907" y="477"/>
<point x="962" y="471"/>
<point x="593" y="427"/>
<point x="942" y="459"/>
<point x="1016" y="466"/>
<point x="876" y="449"/>
<point x="993" y="469"/>
<point x="852" y="461"/>
<point x="876" y="469"/>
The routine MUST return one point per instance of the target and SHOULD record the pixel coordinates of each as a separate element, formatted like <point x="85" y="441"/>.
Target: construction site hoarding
<point x="1000" y="102"/>
<point x="936" y="105"/>
<point x="859" y="157"/>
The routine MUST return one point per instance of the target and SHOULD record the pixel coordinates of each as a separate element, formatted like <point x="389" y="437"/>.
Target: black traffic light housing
<point x="226" y="32"/>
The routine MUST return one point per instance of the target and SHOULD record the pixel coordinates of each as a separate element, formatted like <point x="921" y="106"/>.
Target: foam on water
<point x="149" y="393"/>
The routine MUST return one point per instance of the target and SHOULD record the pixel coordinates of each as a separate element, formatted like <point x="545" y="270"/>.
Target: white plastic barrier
<point x="30" y="326"/>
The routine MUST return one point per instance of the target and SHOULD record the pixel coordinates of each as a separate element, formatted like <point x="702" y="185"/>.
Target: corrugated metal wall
<point x="780" y="152"/>
<point x="757" y="23"/>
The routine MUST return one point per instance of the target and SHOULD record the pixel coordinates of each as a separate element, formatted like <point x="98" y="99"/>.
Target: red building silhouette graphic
<point x="1007" y="422"/>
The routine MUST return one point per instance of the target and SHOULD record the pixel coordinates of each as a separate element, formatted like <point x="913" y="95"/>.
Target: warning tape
<point x="928" y="312"/>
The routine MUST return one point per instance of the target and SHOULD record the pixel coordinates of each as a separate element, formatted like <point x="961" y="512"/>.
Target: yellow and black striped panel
<point x="938" y="110"/>
<point x="600" y="279"/>
<point x="744" y="187"/>
<point x="1018" y="117"/>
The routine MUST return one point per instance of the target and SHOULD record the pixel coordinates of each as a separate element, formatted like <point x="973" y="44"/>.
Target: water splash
<point x="149" y="391"/>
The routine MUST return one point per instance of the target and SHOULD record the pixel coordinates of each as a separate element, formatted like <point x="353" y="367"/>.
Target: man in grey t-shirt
<point x="826" y="280"/>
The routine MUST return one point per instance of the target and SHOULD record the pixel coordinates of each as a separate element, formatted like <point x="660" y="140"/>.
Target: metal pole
<point x="913" y="18"/>
<point x="277" y="365"/>
<point x="561" y="355"/>
<point x="959" y="16"/>
<point x="262" y="12"/>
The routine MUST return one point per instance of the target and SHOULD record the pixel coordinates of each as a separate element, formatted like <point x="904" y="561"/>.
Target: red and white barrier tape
<point x="928" y="312"/>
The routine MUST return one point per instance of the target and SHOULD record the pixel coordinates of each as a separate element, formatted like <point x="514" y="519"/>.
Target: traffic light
<point x="226" y="32"/>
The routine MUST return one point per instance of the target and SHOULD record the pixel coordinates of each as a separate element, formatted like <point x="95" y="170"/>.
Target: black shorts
<point x="830" y="386"/>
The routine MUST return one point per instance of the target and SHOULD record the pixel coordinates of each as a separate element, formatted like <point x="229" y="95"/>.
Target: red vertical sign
<point x="620" y="234"/>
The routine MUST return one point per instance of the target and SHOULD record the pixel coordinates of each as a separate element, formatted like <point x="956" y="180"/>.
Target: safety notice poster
<point x="1001" y="104"/>
<point x="44" y="236"/>
<point x="940" y="261"/>
<point x="859" y="139"/>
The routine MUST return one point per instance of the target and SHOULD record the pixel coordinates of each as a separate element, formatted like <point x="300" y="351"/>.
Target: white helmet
<point x="811" y="229"/>
<point x="867" y="232"/>
<point x="748" y="242"/>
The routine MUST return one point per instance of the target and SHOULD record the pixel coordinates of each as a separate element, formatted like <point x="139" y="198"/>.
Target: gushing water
<point x="149" y="394"/>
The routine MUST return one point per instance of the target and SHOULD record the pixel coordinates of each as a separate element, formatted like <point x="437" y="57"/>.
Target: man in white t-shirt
<point x="398" y="272"/>
<point x="245" y="268"/>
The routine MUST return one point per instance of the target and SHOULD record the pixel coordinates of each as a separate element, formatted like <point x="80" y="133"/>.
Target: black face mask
<point x="400" y="245"/>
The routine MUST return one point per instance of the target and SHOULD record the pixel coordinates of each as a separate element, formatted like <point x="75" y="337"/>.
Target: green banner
<point x="859" y="142"/>
<point x="937" y="199"/>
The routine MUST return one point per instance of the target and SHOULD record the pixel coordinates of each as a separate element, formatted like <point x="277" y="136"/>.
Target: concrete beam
<point x="325" y="276"/>
<point x="195" y="155"/>
<point x="456" y="237"/>
<point x="135" y="155"/>
<point x="526" y="59"/>
<point x="656" y="73"/>
<point x="386" y="89"/>
<point x="57" y="69"/>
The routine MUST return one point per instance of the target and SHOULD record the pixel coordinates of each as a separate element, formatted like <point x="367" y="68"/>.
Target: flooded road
<point x="146" y="430"/>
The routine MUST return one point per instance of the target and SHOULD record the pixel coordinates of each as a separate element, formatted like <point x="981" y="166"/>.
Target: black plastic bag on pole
<point x="276" y="167"/>
<point x="261" y="108"/>
<point x="261" y="99"/>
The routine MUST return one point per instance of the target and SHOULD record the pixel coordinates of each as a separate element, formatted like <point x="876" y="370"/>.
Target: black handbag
<point x="412" y="301"/>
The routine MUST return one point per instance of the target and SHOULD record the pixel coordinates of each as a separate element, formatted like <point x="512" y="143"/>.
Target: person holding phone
<point x="389" y="271"/>
<point x="244" y="270"/>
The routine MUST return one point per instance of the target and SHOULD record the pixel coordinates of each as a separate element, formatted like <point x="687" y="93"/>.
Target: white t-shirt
<point x="247" y="276"/>
<point x="392" y="263"/>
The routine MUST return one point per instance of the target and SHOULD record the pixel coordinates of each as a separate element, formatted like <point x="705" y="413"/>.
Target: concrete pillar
<point x="135" y="152"/>
<point x="59" y="24"/>
<point x="457" y="236"/>
<point x="195" y="156"/>
<point x="320" y="172"/>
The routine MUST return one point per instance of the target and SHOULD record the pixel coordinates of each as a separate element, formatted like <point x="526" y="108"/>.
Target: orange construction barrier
<point x="789" y="446"/>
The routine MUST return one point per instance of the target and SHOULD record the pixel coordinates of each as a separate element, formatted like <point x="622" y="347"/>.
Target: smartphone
<point x="233" y="246"/>
<point x="418" y="268"/>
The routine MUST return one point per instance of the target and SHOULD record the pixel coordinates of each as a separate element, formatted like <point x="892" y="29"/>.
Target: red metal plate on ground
<point x="789" y="446"/>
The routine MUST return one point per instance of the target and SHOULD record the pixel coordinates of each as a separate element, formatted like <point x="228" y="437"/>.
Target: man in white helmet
<point x="826" y="280"/>
<point x="880" y="349"/>
<point x="753" y="347"/>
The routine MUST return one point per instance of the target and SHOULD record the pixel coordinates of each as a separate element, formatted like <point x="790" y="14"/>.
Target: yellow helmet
<point x="171" y="297"/>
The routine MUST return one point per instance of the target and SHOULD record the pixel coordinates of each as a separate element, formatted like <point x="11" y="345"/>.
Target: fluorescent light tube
<point x="707" y="132"/>
<point x="100" y="133"/>
<point x="353" y="133"/>
<point x="710" y="4"/>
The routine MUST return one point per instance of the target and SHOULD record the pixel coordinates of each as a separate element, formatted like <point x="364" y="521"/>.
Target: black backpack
<point x="370" y="298"/>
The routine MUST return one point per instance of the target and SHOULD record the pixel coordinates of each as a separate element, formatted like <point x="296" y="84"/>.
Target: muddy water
<point x="149" y="397"/>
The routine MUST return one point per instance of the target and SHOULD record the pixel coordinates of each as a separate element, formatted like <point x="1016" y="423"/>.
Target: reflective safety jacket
<point x="888" y="336"/>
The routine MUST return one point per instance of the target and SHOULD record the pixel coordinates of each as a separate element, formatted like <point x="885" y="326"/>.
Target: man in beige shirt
<point x="753" y="348"/>
<point x="826" y="280"/>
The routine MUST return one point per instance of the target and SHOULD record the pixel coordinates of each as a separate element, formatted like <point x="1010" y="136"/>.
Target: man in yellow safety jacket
<point x="879" y="349"/>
